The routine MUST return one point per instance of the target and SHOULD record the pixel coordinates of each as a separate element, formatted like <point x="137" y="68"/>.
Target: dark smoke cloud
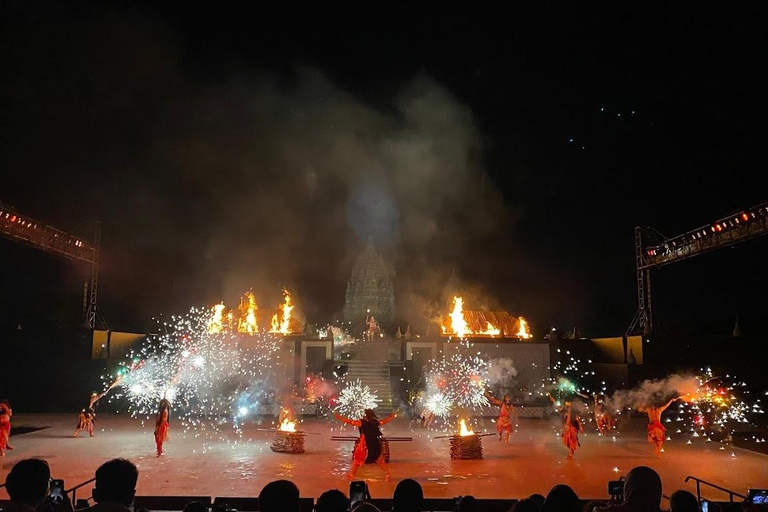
<point x="257" y="179"/>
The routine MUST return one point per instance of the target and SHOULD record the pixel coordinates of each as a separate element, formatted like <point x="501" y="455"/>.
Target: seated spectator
<point x="590" y="506"/>
<point x="561" y="498"/>
<point x="332" y="501"/>
<point x="468" y="504"/>
<point x="115" y="486"/>
<point x="683" y="501"/>
<point x="538" y="499"/>
<point x="526" y="505"/>
<point x="195" y="506"/>
<point x="28" y="484"/>
<point x="279" y="496"/>
<point x="642" y="492"/>
<point x="408" y="496"/>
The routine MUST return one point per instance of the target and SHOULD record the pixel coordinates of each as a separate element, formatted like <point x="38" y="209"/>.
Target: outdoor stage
<point x="197" y="464"/>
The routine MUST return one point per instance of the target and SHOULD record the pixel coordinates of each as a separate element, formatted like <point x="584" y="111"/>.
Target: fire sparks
<point x="355" y="399"/>
<point x="464" y="430"/>
<point x="456" y="380"/>
<point x="209" y="378"/>
<point x="288" y="425"/>
<point x="281" y="322"/>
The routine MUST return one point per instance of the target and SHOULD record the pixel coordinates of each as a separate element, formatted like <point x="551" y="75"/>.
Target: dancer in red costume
<point x="605" y="422"/>
<point x="162" y="425"/>
<point x="657" y="434"/>
<point x="5" y="426"/>
<point x="368" y="446"/>
<point x="505" y="423"/>
<point x="572" y="426"/>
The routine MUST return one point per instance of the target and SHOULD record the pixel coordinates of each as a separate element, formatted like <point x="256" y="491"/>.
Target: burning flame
<point x="524" y="332"/>
<point x="248" y="322"/>
<point x="490" y="330"/>
<point x="216" y="326"/>
<point x="288" y="425"/>
<point x="464" y="430"/>
<point x="458" y="324"/>
<point x="282" y="324"/>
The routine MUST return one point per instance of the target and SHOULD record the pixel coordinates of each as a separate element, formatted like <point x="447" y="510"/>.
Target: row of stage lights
<point x="22" y="222"/>
<point x="717" y="227"/>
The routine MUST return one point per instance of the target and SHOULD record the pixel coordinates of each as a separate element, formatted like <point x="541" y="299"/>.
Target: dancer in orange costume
<point x="605" y="422"/>
<point x="162" y="425"/>
<point x="572" y="426"/>
<point x="368" y="446"/>
<point x="5" y="426"/>
<point x="505" y="423"/>
<point x="657" y="434"/>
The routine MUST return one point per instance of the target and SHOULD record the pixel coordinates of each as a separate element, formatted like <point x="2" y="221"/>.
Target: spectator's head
<point x="538" y="498"/>
<point x="527" y="505"/>
<point x="408" y="496"/>
<point x="468" y="504"/>
<point x="195" y="506"/>
<point x="116" y="482"/>
<point x="28" y="482"/>
<point x="561" y="498"/>
<point x="332" y="501"/>
<point x="279" y="496"/>
<point x="642" y="488"/>
<point x="683" y="501"/>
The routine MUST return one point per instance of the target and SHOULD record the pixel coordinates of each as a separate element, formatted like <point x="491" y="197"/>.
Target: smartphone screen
<point x="758" y="496"/>
<point x="704" y="506"/>
<point x="57" y="489"/>
<point x="356" y="491"/>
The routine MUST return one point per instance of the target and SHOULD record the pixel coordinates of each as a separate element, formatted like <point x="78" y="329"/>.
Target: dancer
<point x="503" y="423"/>
<point x="162" y="425"/>
<point x="87" y="418"/>
<point x="657" y="434"/>
<point x="5" y="426"/>
<point x="605" y="422"/>
<point x="368" y="446"/>
<point x="572" y="426"/>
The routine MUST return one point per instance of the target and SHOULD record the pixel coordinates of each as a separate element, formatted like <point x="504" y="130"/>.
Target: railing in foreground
<point x="699" y="481"/>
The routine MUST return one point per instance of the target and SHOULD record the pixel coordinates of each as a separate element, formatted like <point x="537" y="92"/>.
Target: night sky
<point x="227" y="148"/>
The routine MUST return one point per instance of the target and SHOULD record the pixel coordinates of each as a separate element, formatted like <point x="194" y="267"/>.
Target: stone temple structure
<point x="369" y="290"/>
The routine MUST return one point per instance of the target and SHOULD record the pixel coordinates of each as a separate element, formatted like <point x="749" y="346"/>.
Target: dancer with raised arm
<point x="507" y="415"/>
<point x="657" y="434"/>
<point x="572" y="426"/>
<point x="368" y="446"/>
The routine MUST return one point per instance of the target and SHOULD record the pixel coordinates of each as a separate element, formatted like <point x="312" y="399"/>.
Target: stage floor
<point x="203" y="464"/>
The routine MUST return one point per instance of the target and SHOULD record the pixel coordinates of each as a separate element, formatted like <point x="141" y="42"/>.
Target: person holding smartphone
<point x="31" y="489"/>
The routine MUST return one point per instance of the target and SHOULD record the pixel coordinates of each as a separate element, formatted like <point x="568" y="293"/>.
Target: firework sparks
<point x="354" y="399"/>
<point x="457" y="380"/>
<point x="209" y="377"/>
